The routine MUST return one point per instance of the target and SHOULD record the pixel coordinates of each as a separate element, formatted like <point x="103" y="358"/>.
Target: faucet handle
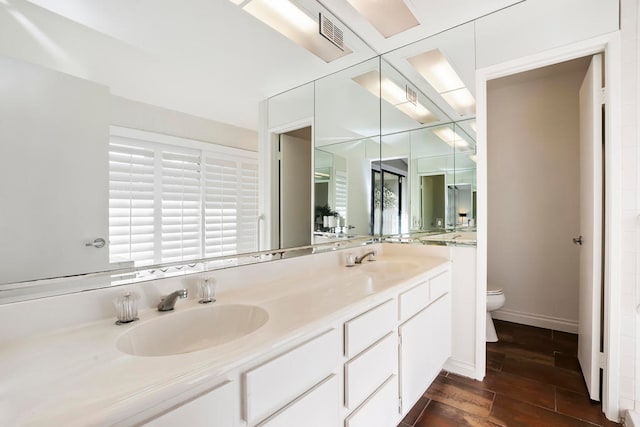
<point x="207" y="290"/>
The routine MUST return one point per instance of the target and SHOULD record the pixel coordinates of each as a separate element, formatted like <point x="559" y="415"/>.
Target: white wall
<point x="534" y="26"/>
<point x="533" y="192"/>
<point x="137" y="115"/>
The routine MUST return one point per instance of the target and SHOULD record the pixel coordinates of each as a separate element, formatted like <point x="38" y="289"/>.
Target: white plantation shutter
<point x="131" y="203"/>
<point x="220" y="206"/>
<point x="248" y="207"/>
<point x="181" y="212"/>
<point x="178" y="202"/>
<point x="341" y="194"/>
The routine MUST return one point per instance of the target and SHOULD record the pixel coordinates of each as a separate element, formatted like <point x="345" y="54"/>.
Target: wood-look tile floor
<point x="533" y="379"/>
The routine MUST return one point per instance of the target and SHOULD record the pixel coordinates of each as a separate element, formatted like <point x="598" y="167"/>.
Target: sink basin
<point x="386" y="266"/>
<point x="192" y="330"/>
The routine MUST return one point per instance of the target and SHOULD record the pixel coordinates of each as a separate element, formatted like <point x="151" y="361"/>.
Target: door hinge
<point x="602" y="360"/>
<point x="603" y="95"/>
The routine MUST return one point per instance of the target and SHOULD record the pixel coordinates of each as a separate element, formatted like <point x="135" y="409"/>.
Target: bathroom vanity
<point x="353" y="346"/>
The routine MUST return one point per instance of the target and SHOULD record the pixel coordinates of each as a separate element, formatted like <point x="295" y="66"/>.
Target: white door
<point x="295" y="191"/>
<point x="590" y="226"/>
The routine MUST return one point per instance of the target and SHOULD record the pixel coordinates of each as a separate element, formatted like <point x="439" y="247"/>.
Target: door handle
<point x="97" y="243"/>
<point x="577" y="240"/>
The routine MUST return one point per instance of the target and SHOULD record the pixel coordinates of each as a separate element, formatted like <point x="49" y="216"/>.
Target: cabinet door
<point x="425" y="346"/>
<point x="216" y="408"/>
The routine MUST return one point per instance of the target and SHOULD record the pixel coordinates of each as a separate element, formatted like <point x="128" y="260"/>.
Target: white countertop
<point x="76" y="376"/>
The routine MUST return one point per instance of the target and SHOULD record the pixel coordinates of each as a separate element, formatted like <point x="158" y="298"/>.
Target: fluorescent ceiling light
<point x="460" y="100"/>
<point x="451" y="137"/>
<point x="293" y="23"/>
<point x="394" y="95"/>
<point x="439" y="73"/>
<point x="389" y="17"/>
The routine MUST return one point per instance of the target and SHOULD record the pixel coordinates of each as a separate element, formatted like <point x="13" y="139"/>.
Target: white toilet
<point x="495" y="300"/>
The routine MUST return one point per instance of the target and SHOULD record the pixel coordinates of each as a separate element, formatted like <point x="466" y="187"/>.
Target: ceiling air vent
<point x="331" y="32"/>
<point x="412" y="95"/>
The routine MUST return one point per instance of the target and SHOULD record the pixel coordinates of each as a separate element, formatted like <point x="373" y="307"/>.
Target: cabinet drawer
<point x="440" y="285"/>
<point x="369" y="327"/>
<point x="380" y="410"/>
<point x="281" y="380"/>
<point x="365" y="373"/>
<point x="413" y="300"/>
<point x="319" y="407"/>
<point x="215" y="407"/>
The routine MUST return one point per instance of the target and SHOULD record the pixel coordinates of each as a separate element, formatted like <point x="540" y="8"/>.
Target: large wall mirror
<point x="131" y="139"/>
<point x="94" y="104"/>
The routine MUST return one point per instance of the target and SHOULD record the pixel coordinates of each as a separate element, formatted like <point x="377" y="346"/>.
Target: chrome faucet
<point x="361" y="258"/>
<point x="168" y="302"/>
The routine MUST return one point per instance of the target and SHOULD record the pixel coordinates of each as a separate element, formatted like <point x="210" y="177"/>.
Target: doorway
<point x="545" y="201"/>
<point x="389" y="205"/>
<point x="295" y="183"/>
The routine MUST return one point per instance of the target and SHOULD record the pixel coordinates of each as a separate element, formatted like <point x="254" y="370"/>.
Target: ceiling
<point x="208" y="58"/>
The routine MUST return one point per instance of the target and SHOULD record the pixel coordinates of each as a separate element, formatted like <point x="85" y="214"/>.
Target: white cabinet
<point x="380" y="410"/>
<point x="280" y="381"/>
<point x="362" y="331"/>
<point x="370" y="377"/>
<point x="319" y="407"/>
<point x="364" y="374"/>
<point x="425" y="345"/>
<point x="216" y="408"/>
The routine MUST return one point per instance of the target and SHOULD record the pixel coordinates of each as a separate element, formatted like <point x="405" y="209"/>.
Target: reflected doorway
<point x="433" y="201"/>
<point x="389" y="201"/>
<point x="295" y="174"/>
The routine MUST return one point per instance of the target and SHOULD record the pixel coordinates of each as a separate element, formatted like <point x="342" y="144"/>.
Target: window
<point x="172" y="199"/>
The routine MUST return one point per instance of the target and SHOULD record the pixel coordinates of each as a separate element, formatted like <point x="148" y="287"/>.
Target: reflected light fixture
<point x="473" y="157"/>
<point x="295" y="24"/>
<point x="451" y="137"/>
<point x="389" y="17"/>
<point x="439" y="73"/>
<point x="404" y="100"/>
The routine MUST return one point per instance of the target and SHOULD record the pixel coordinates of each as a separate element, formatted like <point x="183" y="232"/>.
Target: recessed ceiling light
<point x="295" y="24"/>
<point x="439" y="73"/>
<point x="389" y="17"/>
<point x="451" y="137"/>
<point x="394" y="95"/>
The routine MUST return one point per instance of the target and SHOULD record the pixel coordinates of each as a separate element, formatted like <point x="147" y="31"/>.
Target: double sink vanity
<point x="299" y="341"/>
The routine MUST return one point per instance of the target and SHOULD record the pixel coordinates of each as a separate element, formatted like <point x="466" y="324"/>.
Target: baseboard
<point x="632" y="419"/>
<point x="538" y="320"/>
<point x="461" y="368"/>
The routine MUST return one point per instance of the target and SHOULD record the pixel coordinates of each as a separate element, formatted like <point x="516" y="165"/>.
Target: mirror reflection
<point x="166" y="156"/>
